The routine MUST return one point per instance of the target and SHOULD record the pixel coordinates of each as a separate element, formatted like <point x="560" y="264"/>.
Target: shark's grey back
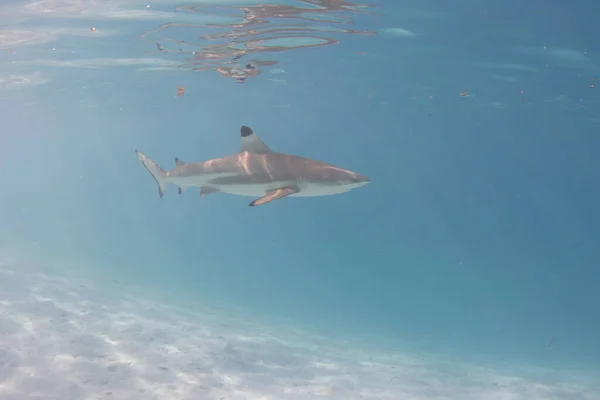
<point x="272" y="166"/>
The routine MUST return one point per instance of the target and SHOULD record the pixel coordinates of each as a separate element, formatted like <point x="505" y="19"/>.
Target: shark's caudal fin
<point x="157" y="172"/>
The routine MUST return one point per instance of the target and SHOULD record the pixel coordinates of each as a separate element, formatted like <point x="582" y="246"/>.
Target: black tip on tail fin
<point x="245" y="131"/>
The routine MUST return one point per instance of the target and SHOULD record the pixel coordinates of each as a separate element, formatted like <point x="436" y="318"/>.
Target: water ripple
<point x="254" y="29"/>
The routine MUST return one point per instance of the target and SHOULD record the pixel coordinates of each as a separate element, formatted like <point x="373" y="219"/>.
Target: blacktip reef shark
<point x="258" y="172"/>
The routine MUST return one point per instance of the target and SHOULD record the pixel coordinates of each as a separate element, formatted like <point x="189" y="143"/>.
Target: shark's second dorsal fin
<point x="252" y="143"/>
<point x="178" y="162"/>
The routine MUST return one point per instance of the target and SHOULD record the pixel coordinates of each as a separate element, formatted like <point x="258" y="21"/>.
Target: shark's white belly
<point x="250" y="190"/>
<point x="260" y="189"/>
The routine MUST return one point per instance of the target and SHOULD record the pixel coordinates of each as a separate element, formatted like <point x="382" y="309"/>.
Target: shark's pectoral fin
<point x="252" y="143"/>
<point x="274" y="195"/>
<point x="204" y="190"/>
<point x="180" y="191"/>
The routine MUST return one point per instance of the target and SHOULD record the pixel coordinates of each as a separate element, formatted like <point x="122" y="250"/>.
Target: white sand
<point x="73" y="339"/>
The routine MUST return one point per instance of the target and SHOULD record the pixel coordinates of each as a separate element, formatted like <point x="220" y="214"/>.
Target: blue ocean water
<point x="475" y="245"/>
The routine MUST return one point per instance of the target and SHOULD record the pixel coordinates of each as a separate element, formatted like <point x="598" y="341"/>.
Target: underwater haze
<point x="465" y="268"/>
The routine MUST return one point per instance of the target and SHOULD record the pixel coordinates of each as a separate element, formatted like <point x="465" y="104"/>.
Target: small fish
<point x="258" y="172"/>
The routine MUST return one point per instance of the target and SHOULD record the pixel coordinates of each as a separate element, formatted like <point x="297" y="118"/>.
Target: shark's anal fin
<point x="204" y="190"/>
<point x="252" y="143"/>
<point x="274" y="195"/>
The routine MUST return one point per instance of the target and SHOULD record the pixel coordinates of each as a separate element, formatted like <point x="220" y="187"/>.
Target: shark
<point x="256" y="171"/>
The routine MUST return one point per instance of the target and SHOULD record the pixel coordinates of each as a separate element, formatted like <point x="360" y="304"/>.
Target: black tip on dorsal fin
<point x="178" y="162"/>
<point x="246" y="131"/>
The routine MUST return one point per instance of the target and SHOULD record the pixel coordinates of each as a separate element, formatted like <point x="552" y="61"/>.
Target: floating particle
<point x="92" y="29"/>
<point x="463" y="94"/>
<point x="523" y="100"/>
<point x="180" y="91"/>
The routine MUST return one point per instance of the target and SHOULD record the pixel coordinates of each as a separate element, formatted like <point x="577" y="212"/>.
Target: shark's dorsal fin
<point x="178" y="162"/>
<point x="252" y="143"/>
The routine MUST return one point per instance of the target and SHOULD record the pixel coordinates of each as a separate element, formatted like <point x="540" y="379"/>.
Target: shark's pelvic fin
<point x="157" y="172"/>
<point x="204" y="190"/>
<point x="252" y="143"/>
<point x="274" y="195"/>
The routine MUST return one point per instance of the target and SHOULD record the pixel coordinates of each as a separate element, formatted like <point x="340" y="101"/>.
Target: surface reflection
<point x="261" y="28"/>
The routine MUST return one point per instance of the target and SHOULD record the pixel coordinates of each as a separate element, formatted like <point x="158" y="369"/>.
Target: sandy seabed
<point x="71" y="338"/>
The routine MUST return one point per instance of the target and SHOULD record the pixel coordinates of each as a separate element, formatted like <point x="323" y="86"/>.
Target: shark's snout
<point x="361" y="179"/>
<point x="358" y="180"/>
<point x="364" y="179"/>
